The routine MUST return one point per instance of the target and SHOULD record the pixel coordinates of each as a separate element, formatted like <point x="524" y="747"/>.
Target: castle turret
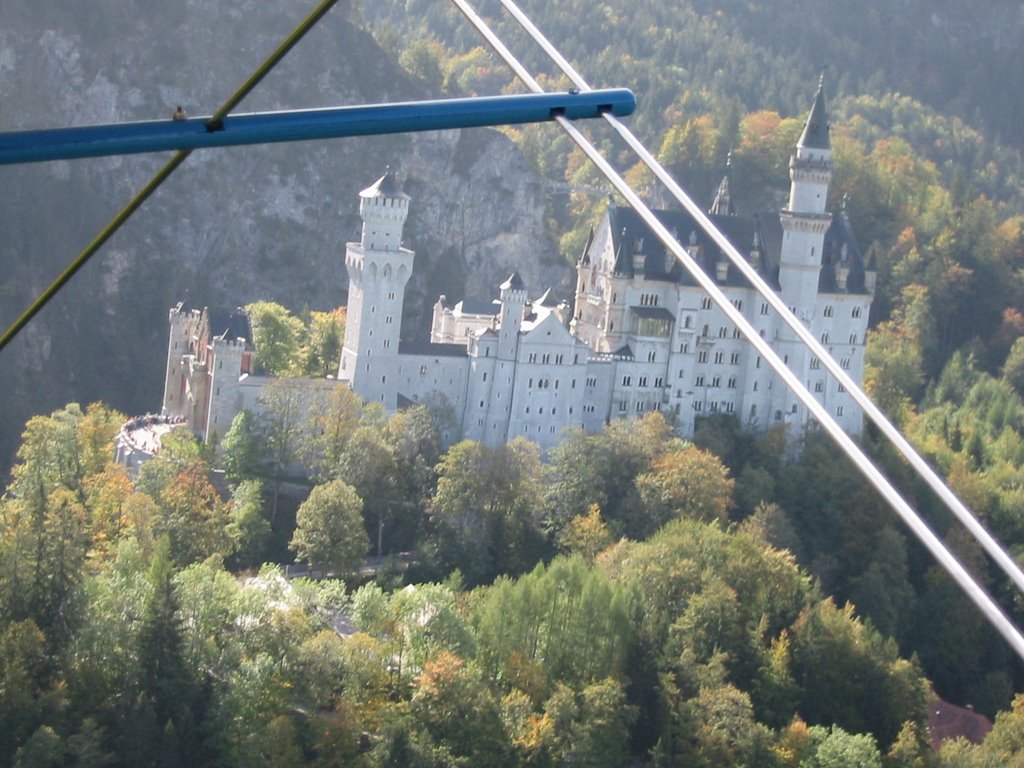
<point x="513" y="304"/>
<point x="177" y="347"/>
<point x="722" y="204"/>
<point x="805" y="220"/>
<point x="378" y="270"/>
<point x="225" y="368"/>
<point x="804" y="223"/>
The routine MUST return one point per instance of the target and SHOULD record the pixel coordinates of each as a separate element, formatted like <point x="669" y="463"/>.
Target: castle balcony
<point x="796" y="221"/>
<point x="706" y="342"/>
<point x="808" y="163"/>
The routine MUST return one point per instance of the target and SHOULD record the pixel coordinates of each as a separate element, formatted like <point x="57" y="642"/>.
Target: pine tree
<point x="165" y="682"/>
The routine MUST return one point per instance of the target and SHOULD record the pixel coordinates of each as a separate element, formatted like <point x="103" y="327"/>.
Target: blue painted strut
<point x="304" y="124"/>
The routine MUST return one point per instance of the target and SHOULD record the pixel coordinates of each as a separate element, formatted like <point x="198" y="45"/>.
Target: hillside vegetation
<point x="633" y="597"/>
<point x="631" y="600"/>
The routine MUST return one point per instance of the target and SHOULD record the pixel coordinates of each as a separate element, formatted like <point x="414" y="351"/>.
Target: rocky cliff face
<point x="232" y="225"/>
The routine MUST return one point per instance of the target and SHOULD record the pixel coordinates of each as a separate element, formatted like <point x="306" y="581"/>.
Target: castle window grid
<point x="605" y="351"/>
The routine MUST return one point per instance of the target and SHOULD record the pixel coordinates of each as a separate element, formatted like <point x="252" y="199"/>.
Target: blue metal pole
<point x="306" y="124"/>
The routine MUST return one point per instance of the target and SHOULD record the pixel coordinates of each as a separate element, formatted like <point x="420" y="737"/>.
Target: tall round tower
<point x="378" y="270"/>
<point x="804" y="222"/>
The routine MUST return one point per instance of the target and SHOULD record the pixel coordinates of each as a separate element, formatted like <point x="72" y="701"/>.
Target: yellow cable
<point x="162" y="175"/>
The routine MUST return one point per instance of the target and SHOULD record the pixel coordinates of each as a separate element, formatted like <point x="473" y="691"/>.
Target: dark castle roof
<point x="815" y="135"/>
<point x="427" y="348"/>
<point x="514" y="283"/>
<point x="229" y="325"/>
<point x="841" y="249"/>
<point x="385" y="186"/>
<point x="630" y="235"/>
<point x="473" y="306"/>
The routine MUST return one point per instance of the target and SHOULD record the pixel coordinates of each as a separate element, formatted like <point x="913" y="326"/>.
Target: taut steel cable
<point x="938" y="486"/>
<point x="918" y="527"/>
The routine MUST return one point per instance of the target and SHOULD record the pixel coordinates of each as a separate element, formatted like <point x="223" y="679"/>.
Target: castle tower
<point x="177" y="347"/>
<point x="513" y="303"/>
<point x="805" y="220"/>
<point x="722" y="204"/>
<point x="225" y="368"/>
<point x="378" y="270"/>
<point x="804" y="224"/>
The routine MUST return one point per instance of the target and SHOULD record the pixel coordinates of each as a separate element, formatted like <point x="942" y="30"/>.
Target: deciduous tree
<point x="686" y="482"/>
<point x="486" y="508"/>
<point x="329" y="531"/>
<point x="277" y="336"/>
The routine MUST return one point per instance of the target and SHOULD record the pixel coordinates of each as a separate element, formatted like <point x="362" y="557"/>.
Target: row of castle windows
<point x="714" y="406"/>
<point x="716" y="381"/>
<point x="825" y="338"/>
<point x="546" y="383"/>
<point x="843" y="362"/>
<point x="706" y="303"/>
<point x="526" y="429"/>
<point x="723" y="331"/>
<point x="546" y="359"/>
<point x="819" y="386"/>
<point x="734" y="358"/>
<point x="640" y="406"/>
<point x="540" y="411"/>
<point x="829" y="311"/>
<point x="659" y="381"/>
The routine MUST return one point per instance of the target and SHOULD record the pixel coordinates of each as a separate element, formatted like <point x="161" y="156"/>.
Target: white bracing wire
<point x="957" y="507"/>
<point x="932" y="543"/>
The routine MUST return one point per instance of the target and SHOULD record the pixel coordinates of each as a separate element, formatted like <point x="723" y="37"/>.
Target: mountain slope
<point x="233" y="225"/>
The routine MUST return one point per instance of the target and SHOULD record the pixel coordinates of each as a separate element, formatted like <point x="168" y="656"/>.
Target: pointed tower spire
<point x="815" y="135"/>
<point x="722" y="206"/>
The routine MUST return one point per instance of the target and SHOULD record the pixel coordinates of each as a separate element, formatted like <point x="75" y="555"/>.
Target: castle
<point x="640" y="336"/>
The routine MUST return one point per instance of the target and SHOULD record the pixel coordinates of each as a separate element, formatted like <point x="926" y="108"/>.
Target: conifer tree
<point x="167" y="686"/>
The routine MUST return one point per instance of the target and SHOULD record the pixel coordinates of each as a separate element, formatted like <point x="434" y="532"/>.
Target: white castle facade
<point x="640" y="336"/>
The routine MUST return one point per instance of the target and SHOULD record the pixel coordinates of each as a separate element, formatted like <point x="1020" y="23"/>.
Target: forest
<point x="630" y="597"/>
